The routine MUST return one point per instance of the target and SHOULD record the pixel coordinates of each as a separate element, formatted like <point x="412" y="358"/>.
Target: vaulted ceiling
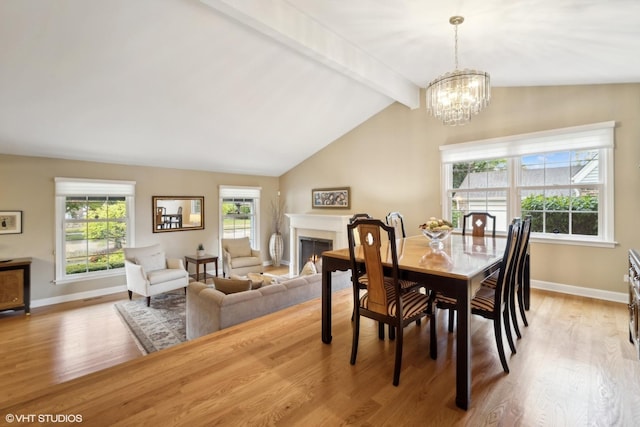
<point x="256" y="87"/>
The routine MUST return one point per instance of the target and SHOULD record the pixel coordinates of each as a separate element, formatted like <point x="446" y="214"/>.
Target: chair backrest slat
<point x="522" y="251"/>
<point x="479" y="223"/>
<point x="371" y="232"/>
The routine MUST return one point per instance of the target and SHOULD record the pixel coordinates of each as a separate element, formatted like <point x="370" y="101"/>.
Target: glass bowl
<point x="436" y="236"/>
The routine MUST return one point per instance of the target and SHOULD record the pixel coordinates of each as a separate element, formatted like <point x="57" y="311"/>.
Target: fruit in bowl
<point x="436" y="230"/>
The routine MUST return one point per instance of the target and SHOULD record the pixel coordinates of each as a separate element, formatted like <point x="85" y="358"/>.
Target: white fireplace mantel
<point x="331" y="227"/>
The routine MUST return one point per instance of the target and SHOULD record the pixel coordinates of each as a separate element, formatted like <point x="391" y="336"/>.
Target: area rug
<point x="157" y="327"/>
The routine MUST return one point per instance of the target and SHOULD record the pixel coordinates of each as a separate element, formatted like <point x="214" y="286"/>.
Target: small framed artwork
<point x="10" y="222"/>
<point x="331" y="197"/>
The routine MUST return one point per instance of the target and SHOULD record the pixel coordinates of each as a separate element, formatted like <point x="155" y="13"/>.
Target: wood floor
<point x="574" y="367"/>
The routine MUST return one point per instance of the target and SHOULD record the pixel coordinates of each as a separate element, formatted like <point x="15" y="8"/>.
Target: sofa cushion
<point x="152" y="262"/>
<point x="230" y="286"/>
<point x="247" y="261"/>
<point x="165" y="275"/>
<point x="238" y="247"/>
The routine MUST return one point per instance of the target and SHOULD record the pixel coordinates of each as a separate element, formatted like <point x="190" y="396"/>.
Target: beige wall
<point x="28" y="185"/>
<point x="391" y="162"/>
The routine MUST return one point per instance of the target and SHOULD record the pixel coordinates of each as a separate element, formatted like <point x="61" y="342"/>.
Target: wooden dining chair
<point x="493" y="303"/>
<point x="384" y="299"/>
<point x="519" y="276"/>
<point x="396" y="220"/>
<point x="479" y="222"/>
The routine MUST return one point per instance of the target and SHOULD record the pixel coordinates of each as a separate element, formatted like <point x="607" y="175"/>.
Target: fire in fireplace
<point x="311" y="249"/>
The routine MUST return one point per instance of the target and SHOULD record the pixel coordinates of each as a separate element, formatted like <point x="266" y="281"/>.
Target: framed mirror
<point x="177" y="213"/>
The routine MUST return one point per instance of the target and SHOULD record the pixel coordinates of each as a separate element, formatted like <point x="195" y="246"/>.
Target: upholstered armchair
<point x="239" y="259"/>
<point x="149" y="272"/>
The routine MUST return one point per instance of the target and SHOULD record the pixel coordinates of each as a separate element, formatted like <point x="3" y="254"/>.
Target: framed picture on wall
<point x="331" y="197"/>
<point x="10" y="222"/>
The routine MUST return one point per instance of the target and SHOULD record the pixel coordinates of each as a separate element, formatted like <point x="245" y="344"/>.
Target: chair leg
<point x="507" y="328"/>
<point x="381" y="330"/>
<point x="452" y="315"/>
<point x="514" y="319"/>
<point x="356" y="336"/>
<point x="498" y="332"/>
<point x="148" y="301"/>
<point x="392" y="332"/>
<point x="522" y="307"/>
<point x="398" y="365"/>
<point x="130" y="295"/>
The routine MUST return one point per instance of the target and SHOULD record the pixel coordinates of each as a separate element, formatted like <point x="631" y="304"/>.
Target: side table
<point x="197" y="260"/>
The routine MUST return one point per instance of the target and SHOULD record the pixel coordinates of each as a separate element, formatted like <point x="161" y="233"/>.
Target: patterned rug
<point x="157" y="327"/>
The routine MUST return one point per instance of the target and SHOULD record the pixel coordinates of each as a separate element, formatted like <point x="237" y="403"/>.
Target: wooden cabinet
<point x="15" y="284"/>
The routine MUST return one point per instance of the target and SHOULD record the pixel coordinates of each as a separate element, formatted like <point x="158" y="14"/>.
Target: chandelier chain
<point x="456" y="45"/>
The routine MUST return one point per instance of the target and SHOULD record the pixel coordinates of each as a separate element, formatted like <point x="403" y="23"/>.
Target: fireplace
<point x="331" y="228"/>
<point x="311" y="248"/>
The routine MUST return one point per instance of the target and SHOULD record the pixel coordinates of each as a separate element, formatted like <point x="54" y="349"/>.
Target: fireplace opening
<point x="311" y="249"/>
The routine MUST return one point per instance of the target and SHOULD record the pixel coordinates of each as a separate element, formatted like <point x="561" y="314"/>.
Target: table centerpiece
<point x="437" y="230"/>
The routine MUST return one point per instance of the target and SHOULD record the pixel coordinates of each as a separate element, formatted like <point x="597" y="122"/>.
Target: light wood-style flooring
<point x="574" y="367"/>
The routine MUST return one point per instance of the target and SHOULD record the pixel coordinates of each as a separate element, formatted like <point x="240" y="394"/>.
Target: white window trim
<point x="230" y="191"/>
<point x="596" y="136"/>
<point x="83" y="187"/>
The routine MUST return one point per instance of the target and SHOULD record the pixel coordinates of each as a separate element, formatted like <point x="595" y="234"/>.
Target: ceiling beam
<point x="286" y="24"/>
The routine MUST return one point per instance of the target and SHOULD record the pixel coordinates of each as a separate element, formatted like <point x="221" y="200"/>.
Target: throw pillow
<point x="266" y="279"/>
<point x="230" y="286"/>
<point x="152" y="262"/>
<point x="256" y="279"/>
<point x="308" y="269"/>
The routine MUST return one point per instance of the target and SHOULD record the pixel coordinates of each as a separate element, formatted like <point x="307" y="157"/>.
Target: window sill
<point x="89" y="276"/>
<point x="573" y="241"/>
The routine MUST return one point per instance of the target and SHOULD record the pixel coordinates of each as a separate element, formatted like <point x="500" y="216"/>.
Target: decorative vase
<point x="276" y="248"/>
<point x="200" y="252"/>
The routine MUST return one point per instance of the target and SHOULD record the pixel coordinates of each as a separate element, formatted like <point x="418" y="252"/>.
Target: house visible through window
<point x="93" y="223"/>
<point x="563" y="179"/>
<point x="240" y="213"/>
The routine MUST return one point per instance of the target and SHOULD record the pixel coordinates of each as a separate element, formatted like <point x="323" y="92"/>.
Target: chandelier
<point x="456" y="96"/>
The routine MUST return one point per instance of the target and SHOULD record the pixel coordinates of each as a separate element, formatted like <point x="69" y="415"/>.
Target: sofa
<point x="209" y="310"/>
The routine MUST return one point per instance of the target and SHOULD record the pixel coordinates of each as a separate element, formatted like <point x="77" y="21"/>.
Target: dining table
<point x="456" y="268"/>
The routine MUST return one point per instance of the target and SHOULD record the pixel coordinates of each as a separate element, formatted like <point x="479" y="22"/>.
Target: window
<point x="562" y="178"/>
<point x="240" y="213"/>
<point x="94" y="221"/>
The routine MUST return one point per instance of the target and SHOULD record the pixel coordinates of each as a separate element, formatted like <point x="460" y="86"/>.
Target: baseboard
<point x="622" y="297"/>
<point x="77" y="296"/>
<point x="270" y="263"/>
